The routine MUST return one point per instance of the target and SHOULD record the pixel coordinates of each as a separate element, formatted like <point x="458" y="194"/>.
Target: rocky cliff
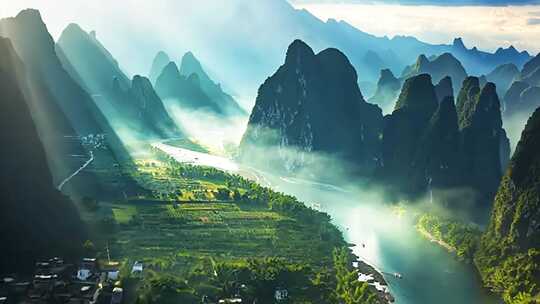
<point x="387" y="91"/>
<point x="508" y="257"/>
<point x="158" y="64"/>
<point x="312" y="105"/>
<point x="37" y="220"/>
<point x="484" y="141"/>
<point x="438" y="67"/>
<point x="124" y="102"/>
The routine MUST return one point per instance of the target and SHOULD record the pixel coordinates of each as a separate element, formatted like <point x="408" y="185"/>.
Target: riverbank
<point x="432" y="239"/>
<point x="455" y="236"/>
<point x="375" y="279"/>
<point x="183" y="157"/>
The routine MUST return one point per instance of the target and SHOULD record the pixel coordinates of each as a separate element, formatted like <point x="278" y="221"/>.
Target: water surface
<point x="385" y="239"/>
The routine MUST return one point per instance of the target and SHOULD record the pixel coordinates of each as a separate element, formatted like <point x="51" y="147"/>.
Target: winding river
<point x="385" y="239"/>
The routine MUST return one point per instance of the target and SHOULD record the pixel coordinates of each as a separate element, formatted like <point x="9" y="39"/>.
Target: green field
<point x="223" y="231"/>
<point x="203" y="232"/>
<point x="193" y="223"/>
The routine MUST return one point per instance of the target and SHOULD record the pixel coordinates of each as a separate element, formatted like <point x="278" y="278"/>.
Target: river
<point x="386" y="240"/>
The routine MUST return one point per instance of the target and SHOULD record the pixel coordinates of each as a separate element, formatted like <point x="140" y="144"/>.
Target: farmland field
<point x="183" y="220"/>
<point x="195" y="227"/>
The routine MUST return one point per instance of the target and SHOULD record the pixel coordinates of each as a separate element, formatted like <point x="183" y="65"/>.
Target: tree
<point x="89" y="248"/>
<point x="166" y="289"/>
<point x="223" y="194"/>
<point x="348" y="289"/>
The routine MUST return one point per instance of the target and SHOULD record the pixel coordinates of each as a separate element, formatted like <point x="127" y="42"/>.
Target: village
<point x="56" y="281"/>
<point x="90" y="281"/>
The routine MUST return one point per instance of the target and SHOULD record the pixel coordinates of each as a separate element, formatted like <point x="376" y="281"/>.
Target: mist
<point x="514" y="125"/>
<point x="381" y="231"/>
<point x="220" y="135"/>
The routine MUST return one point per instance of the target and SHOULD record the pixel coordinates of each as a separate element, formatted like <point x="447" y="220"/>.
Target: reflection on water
<point x="386" y="239"/>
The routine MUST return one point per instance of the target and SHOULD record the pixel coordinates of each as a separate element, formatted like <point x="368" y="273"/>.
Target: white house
<point x="228" y="301"/>
<point x="117" y="294"/>
<point x="83" y="274"/>
<point x="137" y="268"/>
<point x="113" y="274"/>
<point x="281" y="294"/>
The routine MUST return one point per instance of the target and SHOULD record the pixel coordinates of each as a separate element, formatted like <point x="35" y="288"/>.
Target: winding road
<point x="67" y="179"/>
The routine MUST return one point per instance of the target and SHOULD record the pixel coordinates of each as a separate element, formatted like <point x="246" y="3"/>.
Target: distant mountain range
<point x="129" y="104"/>
<point x="445" y="65"/>
<point x="311" y="109"/>
<point x="244" y="45"/>
<point x="191" y="87"/>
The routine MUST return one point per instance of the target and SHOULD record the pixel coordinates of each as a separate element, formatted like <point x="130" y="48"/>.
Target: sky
<point x="485" y="26"/>
<point x="426" y="2"/>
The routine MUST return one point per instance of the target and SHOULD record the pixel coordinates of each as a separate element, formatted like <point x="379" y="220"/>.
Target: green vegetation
<point x="509" y="257"/>
<point x="201" y="232"/>
<point x="257" y="280"/>
<point x="516" y="277"/>
<point x="452" y="234"/>
<point x="348" y="289"/>
<point x="507" y="260"/>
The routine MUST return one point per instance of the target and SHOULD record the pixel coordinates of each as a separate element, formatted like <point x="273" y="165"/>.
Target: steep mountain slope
<point x="444" y="89"/>
<point x="95" y="66"/>
<point x="295" y="105"/>
<point x="509" y="258"/>
<point x="140" y="108"/>
<point x="37" y="220"/>
<point x="530" y="72"/>
<point x="184" y="91"/>
<point x="453" y="153"/>
<point x="528" y="79"/>
<point x="388" y="87"/>
<point x="527" y="100"/>
<point x="534" y="78"/>
<point x="513" y="96"/>
<point x="503" y="76"/>
<point x="438" y="162"/>
<point x="36" y="48"/>
<point x="143" y="109"/>
<point x="62" y="111"/>
<point x="160" y="61"/>
<point x="439" y="67"/>
<point x="403" y="132"/>
<point x="484" y="141"/>
<point x="311" y="108"/>
<point x="190" y="65"/>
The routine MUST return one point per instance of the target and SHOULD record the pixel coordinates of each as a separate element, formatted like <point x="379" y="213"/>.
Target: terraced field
<point x="155" y="232"/>
<point x="182" y="221"/>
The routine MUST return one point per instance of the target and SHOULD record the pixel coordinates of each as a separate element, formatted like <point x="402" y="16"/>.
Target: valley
<point x="195" y="217"/>
<point x="392" y="245"/>
<point x="260" y="160"/>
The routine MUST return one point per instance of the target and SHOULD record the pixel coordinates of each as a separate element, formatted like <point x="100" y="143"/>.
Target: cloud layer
<point x="425" y="2"/>
<point x="487" y="27"/>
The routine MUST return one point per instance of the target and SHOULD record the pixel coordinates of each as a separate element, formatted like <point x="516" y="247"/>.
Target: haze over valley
<point x="270" y="151"/>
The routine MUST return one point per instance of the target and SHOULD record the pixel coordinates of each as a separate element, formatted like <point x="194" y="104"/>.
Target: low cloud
<point x="425" y="2"/>
<point x="486" y="27"/>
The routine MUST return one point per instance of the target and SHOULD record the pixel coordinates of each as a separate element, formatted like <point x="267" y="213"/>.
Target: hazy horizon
<point x="496" y="26"/>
